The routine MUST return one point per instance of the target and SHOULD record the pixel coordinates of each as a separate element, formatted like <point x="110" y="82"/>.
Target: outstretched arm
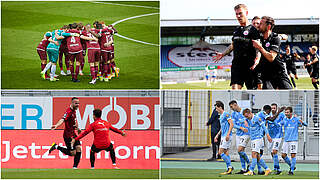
<point x="58" y="124"/>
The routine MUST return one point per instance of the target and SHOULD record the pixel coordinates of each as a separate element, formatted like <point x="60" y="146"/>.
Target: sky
<point x="223" y="9"/>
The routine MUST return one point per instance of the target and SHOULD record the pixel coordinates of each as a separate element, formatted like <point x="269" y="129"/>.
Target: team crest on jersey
<point x="245" y="33"/>
<point x="227" y="115"/>
<point x="259" y="119"/>
<point x="267" y="44"/>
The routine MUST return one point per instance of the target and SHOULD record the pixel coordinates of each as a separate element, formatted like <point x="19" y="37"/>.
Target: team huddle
<point x="256" y="55"/>
<point x="73" y="41"/>
<point x="271" y="122"/>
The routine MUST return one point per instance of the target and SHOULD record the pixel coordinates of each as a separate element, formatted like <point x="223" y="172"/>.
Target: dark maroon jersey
<point x="69" y="122"/>
<point x="91" y="44"/>
<point x="74" y="43"/>
<point x="43" y="44"/>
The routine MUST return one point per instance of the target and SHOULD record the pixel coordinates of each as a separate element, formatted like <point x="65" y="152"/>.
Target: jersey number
<point x="73" y="40"/>
<point x="293" y="147"/>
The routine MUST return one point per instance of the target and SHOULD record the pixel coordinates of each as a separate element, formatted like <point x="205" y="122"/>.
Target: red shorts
<point x="77" y="56"/>
<point x="93" y="55"/>
<point x="42" y="54"/>
<point x="106" y="56"/>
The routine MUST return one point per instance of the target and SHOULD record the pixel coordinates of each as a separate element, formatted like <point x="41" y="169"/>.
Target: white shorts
<point x="290" y="147"/>
<point x="275" y="144"/>
<point x="257" y="145"/>
<point x="225" y="144"/>
<point x="242" y="140"/>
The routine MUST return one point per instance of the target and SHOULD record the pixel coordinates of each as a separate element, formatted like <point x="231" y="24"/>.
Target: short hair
<point x="274" y="104"/>
<point x="74" y="98"/>
<point x="315" y="48"/>
<point x="247" y="110"/>
<point x="219" y="104"/>
<point x="97" y="113"/>
<point x="74" y="26"/>
<point x="233" y="102"/>
<point x="240" y="6"/>
<point x="289" y="108"/>
<point x="65" y="27"/>
<point x="269" y="20"/>
<point x="266" y="107"/>
<point x="256" y="17"/>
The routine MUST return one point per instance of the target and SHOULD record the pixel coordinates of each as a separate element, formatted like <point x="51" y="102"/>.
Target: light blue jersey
<point x="275" y="128"/>
<point x="257" y="128"/>
<point x="291" y="128"/>
<point x="263" y="115"/>
<point x="238" y="122"/>
<point x="224" y="117"/>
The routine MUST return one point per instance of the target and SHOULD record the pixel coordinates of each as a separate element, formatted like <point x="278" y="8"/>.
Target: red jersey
<point x="43" y="44"/>
<point x="100" y="130"/>
<point x="74" y="43"/>
<point x="106" y="37"/>
<point x="63" y="46"/>
<point x="69" y="123"/>
<point x="83" y="42"/>
<point x="91" y="44"/>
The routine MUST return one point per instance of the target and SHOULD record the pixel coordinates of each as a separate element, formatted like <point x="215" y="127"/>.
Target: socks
<point x="77" y="72"/>
<point x="315" y="85"/>
<point x="242" y="161"/>
<point x="113" y="156"/>
<point x="47" y="67"/>
<point x="263" y="164"/>
<point x="53" y="71"/>
<point x="96" y="70"/>
<point x="43" y="66"/>
<point x="253" y="164"/>
<point x="259" y="167"/>
<point x="76" y="159"/>
<point x="292" y="80"/>
<point x="72" y="71"/>
<point x="276" y="162"/>
<point x="64" y="150"/>
<point x="226" y="159"/>
<point x="293" y="164"/>
<point x="106" y="67"/>
<point x="287" y="160"/>
<point x="92" y="158"/>
<point x="93" y="73"/>
<point x="245" y="157"/>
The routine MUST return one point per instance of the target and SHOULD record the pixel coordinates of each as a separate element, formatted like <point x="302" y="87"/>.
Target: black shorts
<point x="96" y="150"/>
<point x="292" y="71"/>
<point x="315" y="74"/>
<point x="242" y="75"/>
<point x="279" y="82"/>
<point x="67" y="141"/>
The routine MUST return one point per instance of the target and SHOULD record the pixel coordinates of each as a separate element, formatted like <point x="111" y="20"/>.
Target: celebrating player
<point x="242" y="134"/>
<point x="101" y="140"/>
<point x="273" y="72"/>
<point x="290" y="144"/>
<point x="64" y="51"/>
<point x="290" y="65"/>
<point x="276" y="133"/>
<point x="42" y="48"/>
<point x="226" y="136"/>
<point x="245" y="56"/>
<point x="315" y="66"/>
<point x="256" y="128"/>
<point x="69" y="119"/>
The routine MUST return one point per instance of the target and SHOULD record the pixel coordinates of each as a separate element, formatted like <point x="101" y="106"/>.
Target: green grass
<point x="178" y="173"/>
<point x="24" y="23"/>
<point x="302" y="83"/>
<point x="79" y="174"/>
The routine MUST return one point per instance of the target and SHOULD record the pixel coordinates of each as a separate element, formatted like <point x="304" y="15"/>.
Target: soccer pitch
<point x="25" y="22"/>
<point x="79" y="174"/>
<point x="302" y="83"/>
<point x="212" y="170"/>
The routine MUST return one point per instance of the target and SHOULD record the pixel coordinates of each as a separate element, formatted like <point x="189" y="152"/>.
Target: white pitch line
<point x="122" y="20"/>
<point x="149" y="7"/>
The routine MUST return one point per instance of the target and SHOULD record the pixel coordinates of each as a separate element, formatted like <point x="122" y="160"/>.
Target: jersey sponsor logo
<point x="267" y="44"/>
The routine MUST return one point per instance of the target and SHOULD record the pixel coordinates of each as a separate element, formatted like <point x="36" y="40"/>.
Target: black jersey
<point x="243" y="51"/>
<point x="290" y="61"/>
<point x="277" y="67"/>
<point x="315" y="66"/>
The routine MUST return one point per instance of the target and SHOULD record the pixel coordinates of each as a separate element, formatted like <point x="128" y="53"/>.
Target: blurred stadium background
<point x="184" y="56"/>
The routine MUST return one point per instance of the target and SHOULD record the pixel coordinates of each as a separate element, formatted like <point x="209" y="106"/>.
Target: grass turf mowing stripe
<point x="79" y="174"/>
<point x="222" y="165"/>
